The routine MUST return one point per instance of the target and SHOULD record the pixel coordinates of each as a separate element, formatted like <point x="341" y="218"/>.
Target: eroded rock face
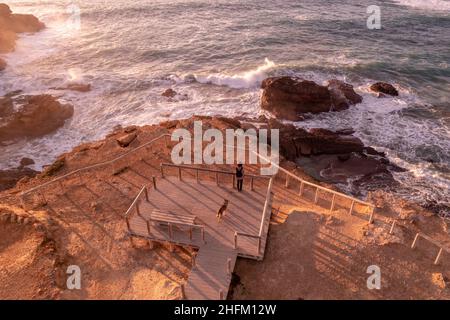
<point x="384" y="88"/>
<point x="32" y="116"/>
<point x="288" y="97"/>
<point x="9" y="177"/>
<point x="296" y="142"/>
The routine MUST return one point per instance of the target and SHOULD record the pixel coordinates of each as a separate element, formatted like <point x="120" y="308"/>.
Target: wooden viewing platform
<point x="166" y="213"/>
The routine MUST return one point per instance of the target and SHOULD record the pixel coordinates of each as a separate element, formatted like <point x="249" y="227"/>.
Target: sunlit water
<point x="217" y="52"/>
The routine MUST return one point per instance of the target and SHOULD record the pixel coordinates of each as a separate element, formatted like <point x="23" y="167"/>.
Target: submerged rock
<point x="169" y="93"/>
<point x="34" y="116"/>
<point x="384" y="88"/>
<point x="80" y="87"/>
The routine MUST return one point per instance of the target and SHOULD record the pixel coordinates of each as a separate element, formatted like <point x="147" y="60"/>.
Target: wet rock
<point x="80" y="87"/>
<point x="384" y="88"/>
<point x="35" y="116"/>
<point x="55" y="167"/>
<point x="342" y="95"/>
<point x="169" y="93"/>
<point x="288" y="97"/>
<point x="26" y="162"/>
<point x="10" y="177"/>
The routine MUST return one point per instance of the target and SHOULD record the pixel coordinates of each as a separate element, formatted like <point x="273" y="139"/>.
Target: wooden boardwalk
<point x="211" y="273"/>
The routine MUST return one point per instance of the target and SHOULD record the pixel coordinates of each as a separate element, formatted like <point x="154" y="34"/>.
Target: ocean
<point x="216" y="53"/>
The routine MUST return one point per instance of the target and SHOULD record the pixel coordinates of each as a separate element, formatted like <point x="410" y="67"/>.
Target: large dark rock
<point x="385" y="88"/>
<point x="10" y="177"/>
<point x="342" y="95"/>
<point x="297" y="142"/>
<point x="35" y="116"/>
<point x="287" y="97"/>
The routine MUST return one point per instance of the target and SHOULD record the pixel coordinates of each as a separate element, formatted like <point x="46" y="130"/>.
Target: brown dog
<point x="222" y="210"/>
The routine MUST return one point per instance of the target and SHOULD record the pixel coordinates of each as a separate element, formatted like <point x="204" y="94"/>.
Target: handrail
<point x="144" y="189"/>
<point x="314" y="184"/>
<point x="210" y="170"/>
<point x="92" y="166"/>
<point x="23" y="193"/>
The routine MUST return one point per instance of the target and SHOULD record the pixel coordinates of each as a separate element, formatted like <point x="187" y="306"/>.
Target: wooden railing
<point x="135" y="209"/>
<point x="216" y="173"/>
<point x="78" y="172"/>
<point x="290" y="176"/>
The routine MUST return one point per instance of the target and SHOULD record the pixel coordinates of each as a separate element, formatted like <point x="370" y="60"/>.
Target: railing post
<point x="287" y="181"/>
<point x="138" y="210"/>
<point x="203" y="234"/>
<point x="154" y="183"/>
<point x="302" y="185"/>
<point x="170" y="231"/>
<point x="197" y="175"/>
<point x="194" y="255"/>
<point x="234" y="181"/>
<point x="148" y="227"/>
<point x="332" y="202"/>
<point x="146" y="193"/>
<point x="229" y="266"/>
<point x="316" y="196"/>
<point x="351" y="207"/>
<point x="183" y="294"/>
<point x="259" y="246"/>
<point x="220" y="294"/>
<point x="371" y="215"/>
<point x="391" y="231"/>
<point x="166" y="140"/>
<point x="179" y="173"/>
<point x="81" y="178"/>
<point x="128" y="223"/>
<point x="415" y="241"/>
<point x="190" y="233"/>
<point x="217" y="178"/>
<point x="436" y="262"/>
<point x="251" y="184"/>
<point x="162" y="170"/>
<point x="235" y="240"/>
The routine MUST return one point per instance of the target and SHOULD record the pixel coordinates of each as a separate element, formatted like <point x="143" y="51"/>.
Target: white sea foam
<point x="248" y="79"/>
<point x="438" y="5"/>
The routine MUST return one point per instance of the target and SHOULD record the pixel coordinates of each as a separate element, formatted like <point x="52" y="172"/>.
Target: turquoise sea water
<point x="217" y="52"/>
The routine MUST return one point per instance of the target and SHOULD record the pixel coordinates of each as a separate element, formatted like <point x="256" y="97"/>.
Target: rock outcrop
<point x="384" y="88"/>
<point x="12" y="24"/>
<point x="9" y="177"/>
<point x="289" y="97"/>
<point x="342" y="95"/>
<point x="31" y="116"/>
<point x="169" y="93"/>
